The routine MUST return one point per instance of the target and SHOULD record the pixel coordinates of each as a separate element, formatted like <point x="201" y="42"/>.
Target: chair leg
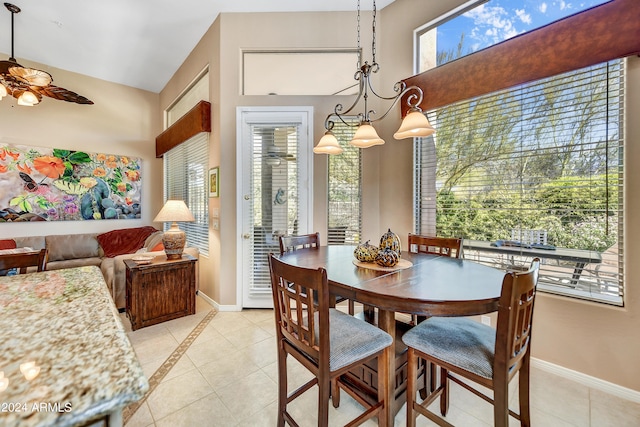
<point x="426" y="379"/>
<point x="383" y="392"/>
<point x="444" y="397"/>
<point x="500" y="401"/>
<point x="523" y="392"/>
<point x="335" y="393"/>
<point x="324" y="395"/>
<point x="412" y="371"/>
<point x="282" y="384"/>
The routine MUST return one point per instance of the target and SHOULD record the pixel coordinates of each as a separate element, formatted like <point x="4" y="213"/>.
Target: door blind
<point x="274" y="202"/>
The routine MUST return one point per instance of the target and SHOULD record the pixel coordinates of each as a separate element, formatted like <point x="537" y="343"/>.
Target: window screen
<point x="540" y="164"/>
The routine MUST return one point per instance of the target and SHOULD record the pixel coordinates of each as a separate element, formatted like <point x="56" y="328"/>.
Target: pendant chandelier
<point x="414" y="124"/>
<point x="28" y="85"/>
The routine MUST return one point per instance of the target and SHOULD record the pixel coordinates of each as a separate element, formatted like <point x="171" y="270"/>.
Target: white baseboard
<point x="587" y="380"/>
<point x="217" y="306"/>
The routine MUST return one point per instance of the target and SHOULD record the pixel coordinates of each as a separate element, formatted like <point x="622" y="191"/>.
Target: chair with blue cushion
<point x="464" y="348"/>
<point x="324" y="340"/>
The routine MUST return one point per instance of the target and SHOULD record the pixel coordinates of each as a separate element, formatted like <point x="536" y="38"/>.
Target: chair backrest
<point x="295" y="306"/>
<point x="292" y="243"/>
<point x="23" y="260"/>
<point x="443" y="246"/>
<point x="515" y="316"/>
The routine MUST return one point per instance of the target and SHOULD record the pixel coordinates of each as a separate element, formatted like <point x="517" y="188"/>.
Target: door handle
<point x="246" y="236"/>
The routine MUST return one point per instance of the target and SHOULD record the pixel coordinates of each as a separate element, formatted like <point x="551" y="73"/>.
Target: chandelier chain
<point x="358" y="29"/>
<point x="373" y="25"/>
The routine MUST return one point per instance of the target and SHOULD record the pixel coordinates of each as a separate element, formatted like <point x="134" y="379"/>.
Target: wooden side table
<point x="160" y="291"/>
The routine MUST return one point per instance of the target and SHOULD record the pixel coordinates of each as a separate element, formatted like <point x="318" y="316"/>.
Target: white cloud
<point x="543" y="7"/>
<point x="493" y="24"/>
<point x="524" y="17"/>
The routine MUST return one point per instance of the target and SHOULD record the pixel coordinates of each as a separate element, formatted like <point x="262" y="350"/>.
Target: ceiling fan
<point x="28" y="85"/>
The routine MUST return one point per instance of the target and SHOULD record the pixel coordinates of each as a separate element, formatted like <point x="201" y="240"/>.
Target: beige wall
<point x="205" y="54"/>
<point x="123" y="121"/>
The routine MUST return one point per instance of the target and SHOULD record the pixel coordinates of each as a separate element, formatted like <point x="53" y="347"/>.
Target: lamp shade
<point x="414" y="124"/>
<point x="3" y="91"/>
<point x="174" y="211"/>
<point x="366" y="136"/>
<point x="328" y="144"/>
<point x="174" y="239"/>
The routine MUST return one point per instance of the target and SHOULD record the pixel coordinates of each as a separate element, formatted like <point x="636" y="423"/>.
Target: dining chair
<point x="324" y="340"/>
<point x="308" y="241"/>
<point x="24" y="260"/>
<point x="443" y="246"/>
<point x="303" y="241"/>
<point x="479" y="353"/>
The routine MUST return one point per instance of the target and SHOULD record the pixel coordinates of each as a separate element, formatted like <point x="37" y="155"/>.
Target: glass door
<point x="275" y="192"/>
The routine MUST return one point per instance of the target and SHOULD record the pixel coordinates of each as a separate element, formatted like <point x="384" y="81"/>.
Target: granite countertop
<point x="66" y="324"/>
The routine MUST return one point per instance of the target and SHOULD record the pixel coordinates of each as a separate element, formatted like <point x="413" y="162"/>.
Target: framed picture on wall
<point x="214" y="183"/>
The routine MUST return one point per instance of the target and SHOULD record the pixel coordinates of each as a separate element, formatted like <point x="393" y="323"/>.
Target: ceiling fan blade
<point x="60" y="93"/>
<point x="31" y="76"/>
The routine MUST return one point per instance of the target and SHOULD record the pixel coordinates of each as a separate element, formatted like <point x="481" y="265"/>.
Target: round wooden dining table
<point x="429" y="285"/>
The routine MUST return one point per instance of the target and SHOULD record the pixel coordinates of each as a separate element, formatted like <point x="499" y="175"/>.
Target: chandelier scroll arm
<point x="414" y="98"/>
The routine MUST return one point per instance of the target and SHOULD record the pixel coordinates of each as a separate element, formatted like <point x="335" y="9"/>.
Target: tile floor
<point x="228" y="377"/>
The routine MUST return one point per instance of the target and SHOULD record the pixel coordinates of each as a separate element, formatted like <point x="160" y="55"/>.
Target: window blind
<point x="345" y="188"/>
<point x="185" y="171"/>
<point x="542" y="160"/>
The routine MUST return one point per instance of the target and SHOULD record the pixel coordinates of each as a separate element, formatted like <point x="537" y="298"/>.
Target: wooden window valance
<point x="196" y="120"/>
<point x="596" y="35"/>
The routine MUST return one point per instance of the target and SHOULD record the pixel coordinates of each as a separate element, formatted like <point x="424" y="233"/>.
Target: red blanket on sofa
<point x="124" y="241"/>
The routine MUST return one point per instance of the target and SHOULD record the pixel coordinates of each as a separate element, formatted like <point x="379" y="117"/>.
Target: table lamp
<point x="174" y="238"/>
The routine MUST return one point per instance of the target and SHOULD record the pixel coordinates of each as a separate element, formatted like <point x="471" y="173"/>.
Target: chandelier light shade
<point x="28" y="85"/>
<point x="174" y="239"/>
<point x="328" y="144"/>
<point x="415" y="123"/>
<point x="366" y="136"/>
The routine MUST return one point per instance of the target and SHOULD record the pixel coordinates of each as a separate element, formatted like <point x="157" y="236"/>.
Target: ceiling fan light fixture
<point x="27" y="98"/>
<point x="31" y="76"/>
<point x="28" y="85"/>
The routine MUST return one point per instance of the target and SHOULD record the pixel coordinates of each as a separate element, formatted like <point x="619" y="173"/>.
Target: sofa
<point x="75" y="250"/>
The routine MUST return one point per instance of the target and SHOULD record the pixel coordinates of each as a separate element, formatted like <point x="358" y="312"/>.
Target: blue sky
<point x="498" y="20"/>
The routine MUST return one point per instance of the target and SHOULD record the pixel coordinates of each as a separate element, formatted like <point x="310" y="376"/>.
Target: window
<point x="345" y="189"/>
<point x="546" y="156"/>
<point x="186" y="168"/>
<point x="541" y="163"/>
<point x="478" y="24"/>
<point x="186" y="173"/>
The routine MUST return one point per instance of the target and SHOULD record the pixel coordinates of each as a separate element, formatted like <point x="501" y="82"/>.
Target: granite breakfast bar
<point x="65" y="359"/>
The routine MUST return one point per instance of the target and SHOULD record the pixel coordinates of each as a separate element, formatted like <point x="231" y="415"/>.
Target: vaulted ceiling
<point x="135" y="43"/>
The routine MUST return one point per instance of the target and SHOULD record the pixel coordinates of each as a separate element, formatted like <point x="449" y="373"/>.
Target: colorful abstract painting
<point x="52" y="184"/>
